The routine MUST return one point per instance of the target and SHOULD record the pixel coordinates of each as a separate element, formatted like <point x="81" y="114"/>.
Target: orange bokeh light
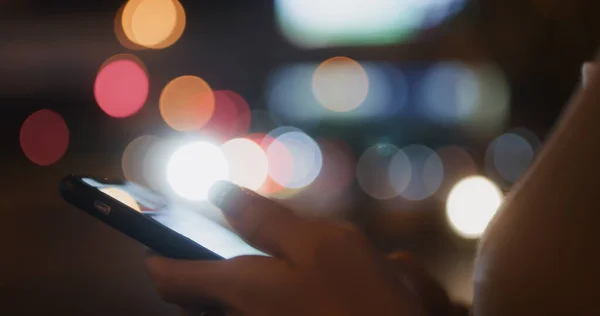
<point x="270" y="186"/>
<point x="153" y="24"/>
<point x="187" y="103"/>
<point x="120" y="31"/>
<point x="177" y="32"/>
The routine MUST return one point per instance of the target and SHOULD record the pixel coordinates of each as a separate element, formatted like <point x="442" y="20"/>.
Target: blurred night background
<point x="410" y="118"/>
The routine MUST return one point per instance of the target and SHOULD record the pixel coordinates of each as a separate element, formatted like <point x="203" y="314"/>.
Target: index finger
<point x="263" y="223"/>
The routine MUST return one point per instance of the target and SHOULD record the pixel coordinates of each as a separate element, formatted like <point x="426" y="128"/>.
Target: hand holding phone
<point x="317" y="268"/>
<point x="314" y="268"/>
<point x="172" y="229"/>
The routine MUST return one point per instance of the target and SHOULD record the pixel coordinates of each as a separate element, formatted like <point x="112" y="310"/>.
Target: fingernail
<point x="225" y="195"/>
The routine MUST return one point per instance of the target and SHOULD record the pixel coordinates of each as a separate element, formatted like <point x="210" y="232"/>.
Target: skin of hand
<point x="539" y="255"/>
<point x="316" y="268"/>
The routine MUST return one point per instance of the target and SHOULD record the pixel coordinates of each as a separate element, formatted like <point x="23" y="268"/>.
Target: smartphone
<point x="174" y="230"/>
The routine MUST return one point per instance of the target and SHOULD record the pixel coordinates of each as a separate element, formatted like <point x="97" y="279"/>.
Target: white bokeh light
<point x="471" y="205"/>
<point x="306" y="158"/>
<point x="248" y="163"/>
<point x="327" y="23"/>
<point x="512" y="155"/>
<point x="373" y="171"/>
<point x="416" y="172"/>
<point x="449" y="93"/>
<point x="194" y="168"/>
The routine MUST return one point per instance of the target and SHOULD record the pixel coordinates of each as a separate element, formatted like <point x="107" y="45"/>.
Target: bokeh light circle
<point x="187" y="103"/>
<point x="372" y="171"/>
<point x="491" y="109"/>
<point x="224" y="122"/>
<point x="337" y="173"/>
<point x="194" y="168"/>
<point x="272" y="135"/>
<point x="280" y="162"/>
<point x="155" y="161"/>
<point x="340" y="84"/>
<point x="120" y="31"/>
<point x="511" y="155"/>
<point x="122" y="197"/>
<point x="132" y="162"/>
<point x="449" y="93"/>
<point x="149" y="22"/>
<point x="427" y="173"/>
<point x="248" y="163"/>
<point x="177" y="32"/>
<point x="400" y="171"/>
<point x="44" y="137"/>
<point x="243" y="111"/>
<point x="121" y="87"/>
<point x="471" y="205"/>
<point x="124" y="56"/>
<point x="290" y="99"/>
<point x="311" y="24"/>
<point x="306" y="156"/>
<point x="231" y="117"/>
<point x="387" y="95"/>
<point x="533" y="140"/>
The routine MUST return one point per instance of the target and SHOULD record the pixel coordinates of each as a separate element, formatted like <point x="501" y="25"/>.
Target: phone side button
<point x="102" y="208"/>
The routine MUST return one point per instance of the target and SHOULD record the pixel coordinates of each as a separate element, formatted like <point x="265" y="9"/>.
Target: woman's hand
<point x="316" y="268"/>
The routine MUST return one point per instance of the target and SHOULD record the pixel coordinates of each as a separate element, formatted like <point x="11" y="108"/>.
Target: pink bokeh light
<point x="223" y="124"/>
<point x="243" y="111"/>
<point x="44" y="137"/>
<point x="121" y="88"/>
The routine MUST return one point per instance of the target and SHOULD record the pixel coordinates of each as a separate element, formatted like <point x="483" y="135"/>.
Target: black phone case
<point x="149" y="232"/>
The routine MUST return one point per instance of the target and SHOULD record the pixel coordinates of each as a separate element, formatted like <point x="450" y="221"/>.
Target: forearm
<point x="539" y="255"/>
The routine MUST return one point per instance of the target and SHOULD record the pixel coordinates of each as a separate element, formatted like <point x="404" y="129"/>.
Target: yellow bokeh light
<point x="120" y="31"/>
<point x="340" y="84"/>
<point x="180" y="23"/>
<point x="187" y="103"/>
<point x="122" y="197"/>
<point x="153" y="23"/>
<point x="471" y="205"/>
